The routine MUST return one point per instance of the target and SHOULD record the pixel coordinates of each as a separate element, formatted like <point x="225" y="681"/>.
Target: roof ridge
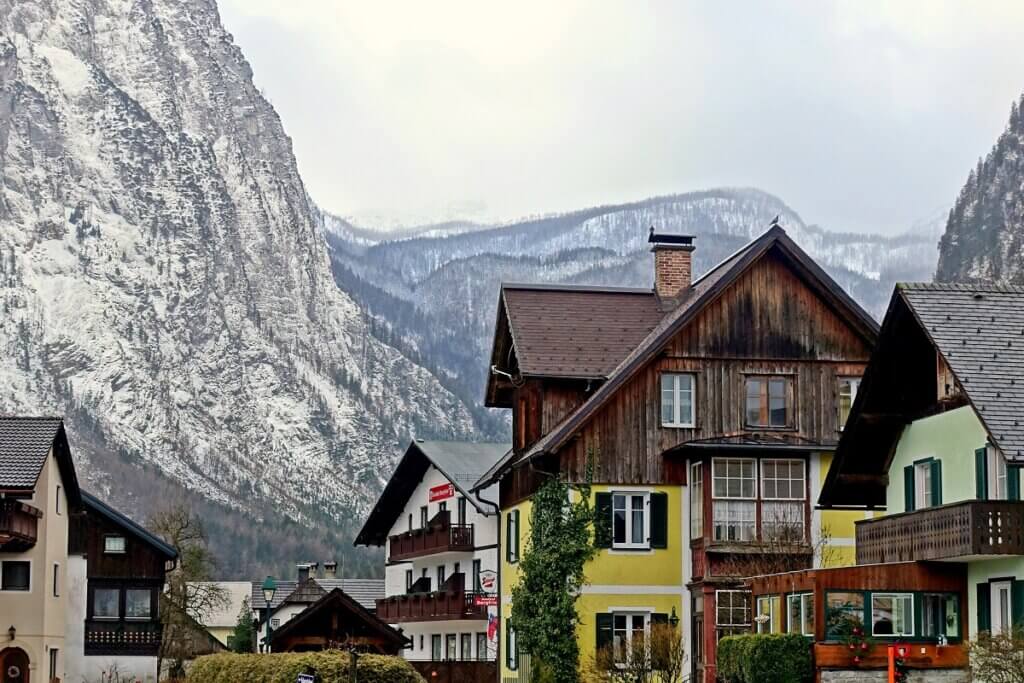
<point x="986" y="286"/>
<point x="572" y="287"/>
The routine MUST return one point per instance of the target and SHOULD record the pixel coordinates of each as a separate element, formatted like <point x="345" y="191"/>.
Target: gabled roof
<point x="92" y="504"/>
<point x="25" y="443"/>
<point x="461" y="462"/>
<point x="703" y="291"/>
<point x="364" y="591"/>
<point x="336" y="599"/>
<point x="978" y="330"/>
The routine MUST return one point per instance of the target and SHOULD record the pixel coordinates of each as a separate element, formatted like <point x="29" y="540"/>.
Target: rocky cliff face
<point x="164" y="278"/>
<point x="984" y="237"/>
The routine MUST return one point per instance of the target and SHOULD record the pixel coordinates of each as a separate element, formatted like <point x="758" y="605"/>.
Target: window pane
<point x="808" y="608"/>
<point x="637" y="521"/>
<point x="619" y="519"/>
<point x="138" y="603"/>
<point x="734" y="520"/>
<point x="667" y="399"/>
<point x="843" y="613"/>
<point x="16" y="576"/>
<point x="755" y="394"/>
<point x="696" y="501"/>
<point x="105" y="603"/>
<point x="113" y="544"/>
<point x="892" y="614"/>
<point x="783" y="521"/>
<point x="777" y="402"/>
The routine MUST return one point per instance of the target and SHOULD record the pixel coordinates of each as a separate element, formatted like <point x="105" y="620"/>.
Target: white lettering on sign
<point x="441" y="492"/>
<point x="488" y="581"/>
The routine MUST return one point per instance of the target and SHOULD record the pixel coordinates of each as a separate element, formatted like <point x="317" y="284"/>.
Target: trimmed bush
<point x="285" y="667"/>
<point x="765" y="658"/>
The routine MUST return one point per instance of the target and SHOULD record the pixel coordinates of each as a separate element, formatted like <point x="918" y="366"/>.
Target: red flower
<point x="852" y="646"/>
<point x="856" y="659"/>
<point x="863" y="646"/>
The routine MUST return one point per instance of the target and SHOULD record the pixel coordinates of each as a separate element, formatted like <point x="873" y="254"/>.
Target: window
<point x="844" y="611"/>
<point x="848" y="387"/>
<point x="466" y="646"/>
<point x="512" y="537"/>
<point x="997" y="475"/>
<point x="15" y="575"/>
<point x="481" y="646"/>
<point x="421" y="642"/>
<point x="627" y="632"/>
<point x="783" y="490"/>
<point x="511" y="648"/>
<point x="768" y="402"/>
<point x="1001" y="607"/>
<point x="892" y="614"/>
<point x="53" y="664"/>
<point x="923" y="484"/>
<point x="697" y="632"/>
<point x="440" y="576"/>
<point x="423" y="517"/>
<point x="275" y="623"/>
<point x="460" y="506"/>
<point x="435" y="647"/>
<point x="477" y="588"/>
<point x="629" y="520"/>
<point x="56" y="501"/>
<point x="769" y="614"/>
<point x="56" y="580"/>
<point x="113" y="544"/>
<point x="408" y="580"/>
<point x="138" y="603"/>
<point x="732" y="611"/>
<point x="800" y="607"/>
<point x="410" y="522"/>
<point x="677" y="400"/>
<point x="733" y="480"/>
<point x="697" y="500"/>
<point x="941" y="615"/>
<point x="106" y="603"/>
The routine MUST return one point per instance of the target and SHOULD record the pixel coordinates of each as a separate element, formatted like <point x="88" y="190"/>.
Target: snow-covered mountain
<point x="435" y="292"/>
<point x="984" y="238"/>
<point x="166" y="285"/>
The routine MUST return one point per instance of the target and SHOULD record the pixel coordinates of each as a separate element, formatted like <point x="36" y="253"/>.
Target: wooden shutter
<point x="1017" y="604"/>
<point x="981" y="473"/>
<point x="603" y="526"/>
<point x="604" y="631"/>
<point x="908" y="488"/>
<point x="936" y="466"/>
<point x="1013" y="483"/>
<point x="984" y="599"/>
<point x="659" y="520"/>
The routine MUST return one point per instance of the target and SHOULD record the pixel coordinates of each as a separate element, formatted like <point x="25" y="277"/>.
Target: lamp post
<point x="269" y="588"/>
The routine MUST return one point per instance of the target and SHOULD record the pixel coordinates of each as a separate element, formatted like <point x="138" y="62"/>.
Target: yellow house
<point x="706" y="412"/>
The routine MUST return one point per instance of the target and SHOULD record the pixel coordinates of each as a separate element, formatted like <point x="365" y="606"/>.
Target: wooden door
<point x="14" y="665"/>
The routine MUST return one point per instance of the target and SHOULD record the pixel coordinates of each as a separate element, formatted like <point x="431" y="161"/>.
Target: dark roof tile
<point x="24" y="445"/>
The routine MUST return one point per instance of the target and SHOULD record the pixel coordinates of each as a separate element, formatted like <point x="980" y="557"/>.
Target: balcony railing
<point x="19" y="524"/>
<point x="439" y="536"/>
<point x="450" y="602"/>
<point x="122" y="637"/>
<point x="957" y="530"/>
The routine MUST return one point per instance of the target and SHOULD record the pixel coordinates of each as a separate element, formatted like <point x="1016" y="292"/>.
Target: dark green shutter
<point x="512" y="536"/>
<point x="984" y="598"/>
<point x="1017" y="603"/>
<point x="936" y="466"/>
<point x="659" y="618"/>
<point x="604" y="631"/>
<point x="1013" y="483"/>
<point x="603" y="525"/>
<point x="515" y="536"/>
<point x="981" y="473"/>
<point x="659" y="520"/>
<point x="908" y="488"/>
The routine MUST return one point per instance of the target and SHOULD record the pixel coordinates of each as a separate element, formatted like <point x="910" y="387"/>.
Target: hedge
<point x="765" y="658"/>
<point x="284" y="667"/>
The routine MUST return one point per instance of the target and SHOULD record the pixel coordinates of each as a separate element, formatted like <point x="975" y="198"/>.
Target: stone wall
<point x="915" y="676"/>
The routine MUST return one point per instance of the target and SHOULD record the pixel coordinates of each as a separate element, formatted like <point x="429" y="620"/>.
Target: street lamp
<point x="269" y="588"/>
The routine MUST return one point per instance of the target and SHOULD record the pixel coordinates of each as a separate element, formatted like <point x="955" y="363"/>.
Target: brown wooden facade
<point x="336" y="621"/>
<point x="19" y="525"/>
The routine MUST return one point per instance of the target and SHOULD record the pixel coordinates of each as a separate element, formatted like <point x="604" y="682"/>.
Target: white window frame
<point x="676" y="392"/>
<point x="805" y="600"/>
<point x="998" y="472"/>
<point x="18" y="591"/>
<point x="696" y="500"/>
<point x="923" y="484"/>
<point x="724" y="507"/>
<point x="783" y="502"/>
<point x="106" y="547"/>
<point x="771" y="600"/>
<point x="512" y="643"/>
<point x="998" y="589"/>
<point x="854" y="382"/>
<point x="718" y="608"/>
<point x="629" y="615"/>
<point x="645" y="542"/>
<point x="897" y="598"/>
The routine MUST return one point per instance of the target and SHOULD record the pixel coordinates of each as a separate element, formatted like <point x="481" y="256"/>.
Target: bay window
<point x="734" y="492"/>
<point x="697" y="500"/>
<point x="677" y="399"/>
<point x="783" y="494"/>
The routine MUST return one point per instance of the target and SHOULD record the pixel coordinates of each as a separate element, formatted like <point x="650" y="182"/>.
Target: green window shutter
<point x="659" y="520"/>
<point x="981" y="473"/>
<point x="1013" y="483"/>
<point x="984" y="593"/>
<point x="515" y="536"/>
<point x="604" y="631"/>
<point x="936" y="466"/>
<point x="908" y="488"/>
<point x="603" y="526"/>
<point x="512" y="537"/>
<point x="1017" y="604"/>
<point x="659" y="618"/>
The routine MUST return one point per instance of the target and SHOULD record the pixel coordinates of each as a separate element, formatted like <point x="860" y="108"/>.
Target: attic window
<point x="113" y="545"/>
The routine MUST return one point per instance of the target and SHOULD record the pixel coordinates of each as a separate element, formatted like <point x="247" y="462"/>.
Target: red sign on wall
<point x="441" y="492"/>
<point x="486" y="601"/>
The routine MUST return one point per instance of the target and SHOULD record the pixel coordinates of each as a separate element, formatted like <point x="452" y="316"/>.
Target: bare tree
<point x="784" y="546"/>
<point x="998" y="658"/>
<point x="659" y="656"/>
<point x="189" y="598"/>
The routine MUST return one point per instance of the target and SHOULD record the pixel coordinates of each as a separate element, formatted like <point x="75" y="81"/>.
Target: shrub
<point x="765" y="658"/>
<point x="331" y="666"/>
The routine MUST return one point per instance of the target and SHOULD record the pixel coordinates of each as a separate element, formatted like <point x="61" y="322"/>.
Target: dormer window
<point x="113" y="544"/>
<point x="677" y="399"/>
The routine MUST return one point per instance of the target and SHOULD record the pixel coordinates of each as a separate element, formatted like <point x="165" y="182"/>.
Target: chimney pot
<point x="672" y="266"/>
<point x="303" y="573"/>
<point x="330" y="570"/>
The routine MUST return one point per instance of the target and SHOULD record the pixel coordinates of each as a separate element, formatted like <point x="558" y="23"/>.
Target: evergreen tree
<point x="245" y="630"/>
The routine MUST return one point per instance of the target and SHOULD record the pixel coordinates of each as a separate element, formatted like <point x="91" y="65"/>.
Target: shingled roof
<point x="364" y="591"/>
<point x="25" y="442"/>
<point x="979" y="330"/>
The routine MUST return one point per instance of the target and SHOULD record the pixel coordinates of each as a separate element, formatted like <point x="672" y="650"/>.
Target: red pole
<point x="892" y="664"/>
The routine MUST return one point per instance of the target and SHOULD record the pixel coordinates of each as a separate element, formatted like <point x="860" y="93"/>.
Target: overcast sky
<point x="860" y="115"/>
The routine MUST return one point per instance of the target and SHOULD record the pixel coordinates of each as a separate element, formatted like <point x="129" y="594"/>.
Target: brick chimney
<point x="672" y="266"/>
<point x="330" y="570"/>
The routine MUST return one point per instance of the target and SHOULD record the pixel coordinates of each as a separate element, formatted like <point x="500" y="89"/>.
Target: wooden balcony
<point x="141" y="638"/>
<point x="439" y="536"/>
<point x="19" y="524"/>
<point x="973" y="528"/>
<point x="451" y="602"/>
